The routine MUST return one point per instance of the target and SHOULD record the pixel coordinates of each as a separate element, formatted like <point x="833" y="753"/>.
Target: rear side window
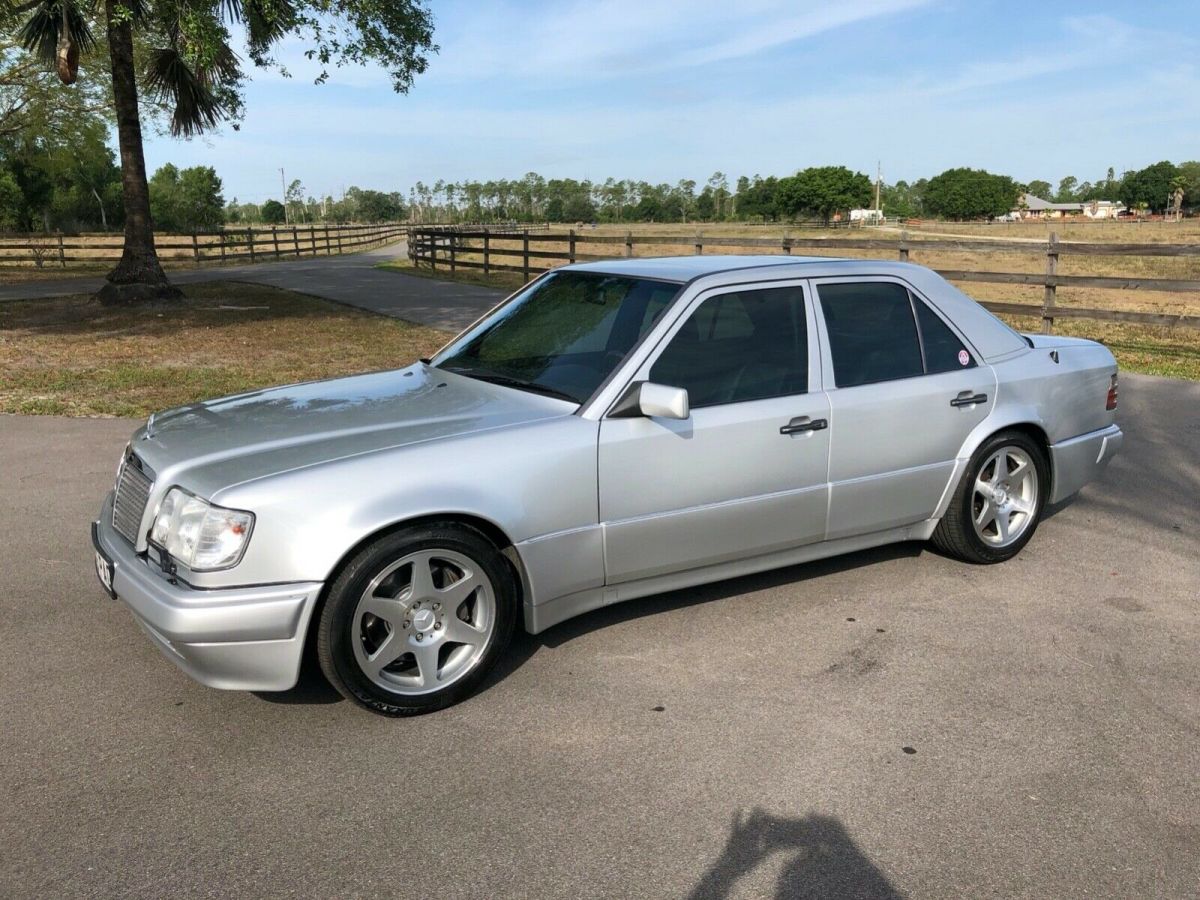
<point x="872" y="334"/>
<point x="944" y="352"/>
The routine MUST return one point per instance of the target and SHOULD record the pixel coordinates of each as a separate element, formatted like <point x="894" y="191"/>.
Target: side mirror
<point x="659" y="401"/>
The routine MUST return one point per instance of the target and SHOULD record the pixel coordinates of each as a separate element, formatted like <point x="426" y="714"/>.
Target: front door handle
<point x="967" y="398"/>
<point x="804" y="423"/>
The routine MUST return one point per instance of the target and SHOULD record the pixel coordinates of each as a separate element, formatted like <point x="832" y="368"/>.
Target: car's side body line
<point x="546" y="615"/>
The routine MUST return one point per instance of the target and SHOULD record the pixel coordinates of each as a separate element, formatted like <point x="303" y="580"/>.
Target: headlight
<point x="198" y="534"/>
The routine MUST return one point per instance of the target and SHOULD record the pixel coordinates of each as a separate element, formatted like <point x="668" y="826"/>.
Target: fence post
<point x="1051" y="288"/>
<point x="338" y="229"/>
<point x="453" y="250"/>
<point x="296" y="241"/>
<point x="487" y="254"/>
<point x="312" y="237"/>
<point x="328" y="248"/>
<point x="433" y="250"/>
<point x="250" y="241"/>
<point x="62" y="256"/>
<point x="525" y="252"/>
<point x="903" y="245"/>
<point x="786" y="244"/>
<point x="571" y="247"/>
<point x="222" y="245"/>
<point x="196" y="248"/>
<point x="699" y="245"/>
<point x="275" y="240"/>
<point x="628" y="244"/>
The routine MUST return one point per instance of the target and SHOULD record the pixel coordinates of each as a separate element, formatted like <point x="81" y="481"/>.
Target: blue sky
<point x="659" y="90"/>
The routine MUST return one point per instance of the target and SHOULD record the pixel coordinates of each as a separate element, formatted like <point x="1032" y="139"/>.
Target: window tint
<point x="872" y="334"/>
<point x="748" y="345"/>
<point x="944" y="352"/>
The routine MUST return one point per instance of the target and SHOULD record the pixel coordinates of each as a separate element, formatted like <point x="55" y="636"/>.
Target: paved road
<point x="742" y="739"/>
<point x="351" y="279"/>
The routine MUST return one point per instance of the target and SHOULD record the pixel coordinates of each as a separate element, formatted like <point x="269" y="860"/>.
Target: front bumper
<point x="244" y="639"/>
<point x="1081" y="459"/>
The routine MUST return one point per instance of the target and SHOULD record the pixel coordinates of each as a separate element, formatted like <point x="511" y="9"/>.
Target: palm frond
<point x="195" y="94"/>
<point x="42" y="31"/>
<point x="266" y="23"/>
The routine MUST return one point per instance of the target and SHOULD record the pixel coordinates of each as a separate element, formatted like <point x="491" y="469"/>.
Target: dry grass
<point x="71" y="356"/>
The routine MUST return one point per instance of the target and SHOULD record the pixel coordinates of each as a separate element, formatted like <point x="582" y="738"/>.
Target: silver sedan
<point x="610" y="431"/>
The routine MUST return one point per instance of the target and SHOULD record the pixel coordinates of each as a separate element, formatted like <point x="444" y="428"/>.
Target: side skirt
<point x="546" y="615"/>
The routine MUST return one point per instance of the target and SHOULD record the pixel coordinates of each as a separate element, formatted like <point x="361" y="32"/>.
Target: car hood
<point x="223" y="442"/>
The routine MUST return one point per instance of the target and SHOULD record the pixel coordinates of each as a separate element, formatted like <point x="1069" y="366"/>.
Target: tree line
<point x="820" y="193"/>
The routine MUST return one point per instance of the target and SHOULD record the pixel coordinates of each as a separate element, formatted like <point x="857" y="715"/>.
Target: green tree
<point x="900" y="200"/>
<point x="970" y="194"/>
<point x="1039" y="189"/>
<point x="184" y="58"/>
<point x="1067" y="188"/>
<point x="1149" y="188"/>
<point x="273" y="213"/>
<point x="10" y="201"/>
<point x="187" y="200"/>
<point x="822" y="191"/>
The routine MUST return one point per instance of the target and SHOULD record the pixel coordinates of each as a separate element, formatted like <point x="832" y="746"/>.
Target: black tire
<point x="337" y="628"/>
<point x="956" y="534"/>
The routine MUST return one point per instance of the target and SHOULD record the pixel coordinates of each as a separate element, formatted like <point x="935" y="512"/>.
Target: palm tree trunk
<point x="138" y="277"/>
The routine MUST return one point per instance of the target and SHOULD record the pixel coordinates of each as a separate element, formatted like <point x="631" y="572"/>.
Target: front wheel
<point x="998" y="503"/>
<point x="416" y="619"/>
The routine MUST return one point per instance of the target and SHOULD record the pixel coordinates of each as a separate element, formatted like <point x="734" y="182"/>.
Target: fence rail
<point x="453" y="249"/>
<point x="228" y="245"/>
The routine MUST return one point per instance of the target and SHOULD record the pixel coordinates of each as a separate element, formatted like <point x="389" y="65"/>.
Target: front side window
<point x="563" y="336"/>
<point x="872" y="333"/>
<point x="739" y="346"/>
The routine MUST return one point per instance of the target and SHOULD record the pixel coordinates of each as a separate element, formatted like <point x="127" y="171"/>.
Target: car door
<point x="905" y="389"/>
<point x="745" y="473"/>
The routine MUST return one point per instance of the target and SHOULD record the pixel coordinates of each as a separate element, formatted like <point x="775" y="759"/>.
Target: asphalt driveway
<point x="351" y="278"/>
<point x="892" y="723"/>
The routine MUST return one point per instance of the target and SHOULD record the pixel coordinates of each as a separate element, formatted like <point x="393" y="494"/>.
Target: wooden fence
<point x="229" y="245"/>
<point x="447" y="248"/>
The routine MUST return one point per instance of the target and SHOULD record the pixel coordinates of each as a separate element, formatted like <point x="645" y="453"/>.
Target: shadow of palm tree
<point x="822" y="860"/>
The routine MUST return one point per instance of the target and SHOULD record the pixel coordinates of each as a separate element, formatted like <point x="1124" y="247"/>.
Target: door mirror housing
<point x="656" y="401"/>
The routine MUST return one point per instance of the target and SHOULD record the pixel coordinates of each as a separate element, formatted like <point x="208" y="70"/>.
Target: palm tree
<point x="197" y="93"/>
<point x="185" y="65"/>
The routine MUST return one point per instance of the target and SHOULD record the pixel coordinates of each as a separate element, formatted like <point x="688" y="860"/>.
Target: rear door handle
<point x="966" y="398"/>
<point x="802" y="424"/>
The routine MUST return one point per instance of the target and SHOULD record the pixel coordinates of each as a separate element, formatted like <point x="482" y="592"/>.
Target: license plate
<point x="104" y="571"/>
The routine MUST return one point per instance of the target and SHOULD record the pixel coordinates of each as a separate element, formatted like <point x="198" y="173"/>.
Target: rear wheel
<point x="998" y="503"/>
<point x="414" y="622"/>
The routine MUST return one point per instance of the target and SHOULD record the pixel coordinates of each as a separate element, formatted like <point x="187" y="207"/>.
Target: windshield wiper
<point x="508" y="381"/>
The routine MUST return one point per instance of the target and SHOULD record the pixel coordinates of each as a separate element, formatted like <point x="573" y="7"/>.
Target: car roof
<point x="689" y="268"/>
<point x="991" y="337"/>
<point x="686" y="268"/>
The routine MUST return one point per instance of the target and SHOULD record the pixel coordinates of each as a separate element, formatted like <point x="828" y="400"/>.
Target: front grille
<point x="129" y="503"/>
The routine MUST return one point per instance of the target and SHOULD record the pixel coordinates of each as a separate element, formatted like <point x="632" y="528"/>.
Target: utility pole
<point x="878" y="182"/>
<point x="283" y="191"/>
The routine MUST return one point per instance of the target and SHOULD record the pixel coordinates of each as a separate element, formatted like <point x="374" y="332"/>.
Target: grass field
<point x="71" y="356"/>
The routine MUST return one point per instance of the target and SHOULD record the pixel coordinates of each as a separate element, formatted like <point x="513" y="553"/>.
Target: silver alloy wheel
<point x="1005" y="497"/>
<point x="424" y="622"/>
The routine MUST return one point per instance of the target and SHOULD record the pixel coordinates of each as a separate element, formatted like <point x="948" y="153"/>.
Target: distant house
<point x="1031" y="207"/>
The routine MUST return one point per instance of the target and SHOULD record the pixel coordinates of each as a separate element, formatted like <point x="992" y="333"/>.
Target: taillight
<point x="1112" y="394"/>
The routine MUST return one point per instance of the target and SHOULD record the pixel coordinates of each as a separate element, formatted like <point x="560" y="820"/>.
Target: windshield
<point x="563" y="336"/>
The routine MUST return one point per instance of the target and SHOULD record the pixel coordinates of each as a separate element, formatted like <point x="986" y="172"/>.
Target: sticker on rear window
<point x="963" y="358"/>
